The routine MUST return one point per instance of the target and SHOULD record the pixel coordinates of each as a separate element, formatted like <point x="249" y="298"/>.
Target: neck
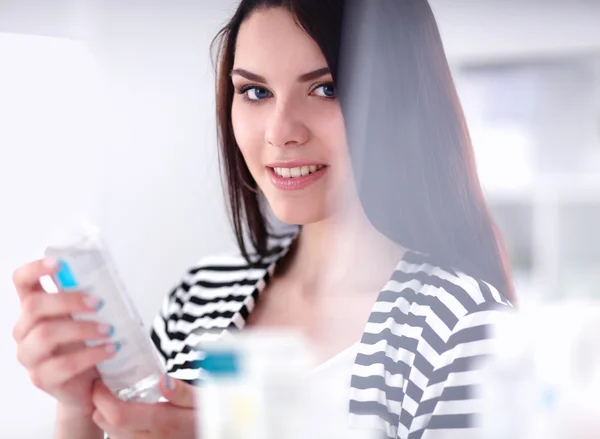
<point x="343" y="251"/>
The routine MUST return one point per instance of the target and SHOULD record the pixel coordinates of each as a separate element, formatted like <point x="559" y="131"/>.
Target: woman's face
<point x="286" y="119"/>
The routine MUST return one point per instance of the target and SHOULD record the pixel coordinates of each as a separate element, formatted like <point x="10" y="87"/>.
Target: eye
<point x="255" y="93"/>
<point x="325" y="91"/>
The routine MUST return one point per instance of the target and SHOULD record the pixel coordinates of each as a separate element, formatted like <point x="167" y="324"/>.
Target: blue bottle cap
<point x="220" y="363"/>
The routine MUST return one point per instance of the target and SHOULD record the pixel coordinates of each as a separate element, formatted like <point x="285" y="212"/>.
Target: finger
<point x="27" y="278"/>
<point x="178" y="393"/>
<point x="114" y="432"/>
<point x="125" y="415"/>
<point x="36" y="307"/>
<point x="44" y="339"/>
<point x="58" y="370"/>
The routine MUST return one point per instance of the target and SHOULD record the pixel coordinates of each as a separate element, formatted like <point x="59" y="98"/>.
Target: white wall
<point x="36" y="116"/>
<point x="122" y="129"/>
<point x="476" y="31"/>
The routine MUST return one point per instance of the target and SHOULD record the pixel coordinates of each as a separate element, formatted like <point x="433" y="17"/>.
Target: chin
<point x="297" y="212"/>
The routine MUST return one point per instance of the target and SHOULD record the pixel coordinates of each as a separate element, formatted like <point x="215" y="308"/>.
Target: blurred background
<point x="107" y="108"/>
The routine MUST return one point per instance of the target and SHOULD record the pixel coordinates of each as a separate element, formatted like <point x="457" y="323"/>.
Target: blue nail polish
<point x="100" y="305"/>
<point x="169" y="383"/>
<point x="111" y="331"/>
<point x="117" y="346"/>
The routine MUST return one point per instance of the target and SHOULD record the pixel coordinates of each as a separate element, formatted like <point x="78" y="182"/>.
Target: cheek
<point x="329" y="127"/>
<point x="248" y="129"/>
<point x="332" y="133"/>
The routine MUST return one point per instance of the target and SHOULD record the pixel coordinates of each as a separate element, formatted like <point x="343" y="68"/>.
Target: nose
<point x="286" y="127"/>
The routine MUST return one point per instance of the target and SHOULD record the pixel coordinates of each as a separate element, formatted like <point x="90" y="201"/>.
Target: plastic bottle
<point x="251" y="387"/>
<point x="85" y="265"/>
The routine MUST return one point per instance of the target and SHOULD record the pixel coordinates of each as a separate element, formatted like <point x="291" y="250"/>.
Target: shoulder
<point x="224" y="279"/>
<point x="447" y="307"/>
<point x="457" y="315"/>
<point x="213" y="294"/>
<point x="429" y="327"/>
<point x="449" y="293"/>
<point x="219" y="271"/>
<point x="213" y="279"/>
<point x="205" y="298"/>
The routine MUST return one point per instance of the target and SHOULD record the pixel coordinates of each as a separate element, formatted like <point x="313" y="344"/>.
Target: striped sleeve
<point x="449" y="407"/>
<point x="161" y="337"/>
<point x="173" y="344"/>
<point x="209" y="299"/>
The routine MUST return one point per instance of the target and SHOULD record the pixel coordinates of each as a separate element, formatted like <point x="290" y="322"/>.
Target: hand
<point x="135" y="420"/>
<point x="50" y="344"/>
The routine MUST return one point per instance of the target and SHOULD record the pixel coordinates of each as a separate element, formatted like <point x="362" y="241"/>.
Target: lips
<point x="296" y="176"/>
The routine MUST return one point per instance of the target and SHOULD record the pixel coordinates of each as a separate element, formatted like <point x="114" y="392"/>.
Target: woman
<point x="395" y="270"/>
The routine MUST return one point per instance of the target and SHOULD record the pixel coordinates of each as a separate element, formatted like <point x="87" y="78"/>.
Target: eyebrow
<point x="305" y="77"/>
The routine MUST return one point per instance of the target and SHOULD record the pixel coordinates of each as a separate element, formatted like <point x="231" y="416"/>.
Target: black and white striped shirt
<point x="416" y="367"/>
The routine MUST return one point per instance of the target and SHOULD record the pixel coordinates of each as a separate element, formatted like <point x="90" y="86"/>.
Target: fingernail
<point x="169" y="382"/>
<point x="113" y="347"/>
<point x="50" y="263"/>
<point x="94" y="303"/>
<point x="105" y="329"/>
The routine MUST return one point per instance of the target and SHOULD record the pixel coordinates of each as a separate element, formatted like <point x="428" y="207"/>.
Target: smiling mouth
<point x="298" y="171"/>
<point x="293" y="178"/>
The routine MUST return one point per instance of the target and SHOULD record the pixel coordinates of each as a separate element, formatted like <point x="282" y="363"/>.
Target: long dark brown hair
<point x="411" y="151"/>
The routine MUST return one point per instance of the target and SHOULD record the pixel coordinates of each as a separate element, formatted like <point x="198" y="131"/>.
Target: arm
<point x="75" y="425"/>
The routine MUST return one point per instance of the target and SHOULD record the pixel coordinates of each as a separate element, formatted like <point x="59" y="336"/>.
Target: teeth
<point x="299" y="171"/>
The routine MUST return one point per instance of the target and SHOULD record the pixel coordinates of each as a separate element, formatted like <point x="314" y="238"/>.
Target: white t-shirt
<point x="329" y="395"/>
